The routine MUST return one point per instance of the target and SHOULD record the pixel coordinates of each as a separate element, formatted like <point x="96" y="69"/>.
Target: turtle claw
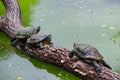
<point x="71" y="54"/>
<point x="98" y="69"/>
<point x="41" y="47"/>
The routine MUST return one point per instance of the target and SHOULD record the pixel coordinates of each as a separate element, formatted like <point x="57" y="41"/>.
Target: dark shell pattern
<point x="37" y="38"/>
<point x="89" y="52"/>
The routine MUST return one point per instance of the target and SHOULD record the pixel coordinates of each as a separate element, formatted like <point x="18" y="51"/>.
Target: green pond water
<point x="95" y="22"/>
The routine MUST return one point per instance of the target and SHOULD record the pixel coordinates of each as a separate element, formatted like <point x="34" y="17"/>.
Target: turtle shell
<point x="38" y="38"/>
<point x="87" y="51"/>
<point x="27" y="32"/>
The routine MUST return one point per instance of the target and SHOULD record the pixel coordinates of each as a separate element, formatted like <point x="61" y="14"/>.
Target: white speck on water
<point x="64" y="23"/>
<point x="41" y="20"/>
<point x="81" y="7"/>
<point x="111" y="27"/>
<point x="9" y="65"/>
<point x="74" y="3"/>
<point x="104" y="25"/>
<point x="98" y="45"/>
<point x="43" y="15"/>
<point x="89" y="10"/>
<point x="103" y="34"/>
<point x="75" y="35"/>
<point x="20" y="77"/>
<point x="93" y="13"/>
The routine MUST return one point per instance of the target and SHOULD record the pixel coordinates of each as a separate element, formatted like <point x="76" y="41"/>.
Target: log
<point x="11" y="22"/>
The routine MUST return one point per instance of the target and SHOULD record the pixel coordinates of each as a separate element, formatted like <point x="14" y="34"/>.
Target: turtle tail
<point x="105" y="64"/>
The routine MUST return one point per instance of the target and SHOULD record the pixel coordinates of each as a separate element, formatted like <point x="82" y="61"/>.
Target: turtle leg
<point x="71" y="54"/>
<point x="15" y="41"/>
<point x="51" y="44"/>
<point x="25" y="46"/>
<point x="41" y="45"/>
<point x="105" y="64"/>
<point x="97" y="66"/>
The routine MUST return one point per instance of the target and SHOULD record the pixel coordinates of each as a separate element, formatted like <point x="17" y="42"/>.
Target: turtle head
<point x="47" y="40"/>
<point x="77" y="48"/>
<point x="49" y="36"/>
<point x="37" y="29"/>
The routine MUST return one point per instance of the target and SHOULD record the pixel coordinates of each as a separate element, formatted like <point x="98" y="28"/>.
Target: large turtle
<point x="22" y="35"/>
<point x="39" y="40"/>
<point x="89" y="54"/>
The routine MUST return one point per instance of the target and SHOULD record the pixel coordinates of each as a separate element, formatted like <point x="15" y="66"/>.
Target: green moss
<point x="2" y="9"/>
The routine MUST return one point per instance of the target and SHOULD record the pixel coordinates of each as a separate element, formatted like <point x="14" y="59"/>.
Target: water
<point x="92" y="22"/>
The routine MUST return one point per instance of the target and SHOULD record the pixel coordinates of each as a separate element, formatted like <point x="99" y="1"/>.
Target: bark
<point x="11" y="22"/>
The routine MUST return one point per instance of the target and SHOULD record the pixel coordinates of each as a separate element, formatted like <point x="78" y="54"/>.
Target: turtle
<point x="89" y="54"/>
<point x="22" y="35"/>
<point x="39" y="40"/>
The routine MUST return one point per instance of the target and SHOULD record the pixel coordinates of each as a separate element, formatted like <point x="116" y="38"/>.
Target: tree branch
<point x="11" y="22"/>
<point x="59" y="56"/>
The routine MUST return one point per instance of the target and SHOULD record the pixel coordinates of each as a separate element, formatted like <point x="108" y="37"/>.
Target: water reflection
<point x="5" y="52"/>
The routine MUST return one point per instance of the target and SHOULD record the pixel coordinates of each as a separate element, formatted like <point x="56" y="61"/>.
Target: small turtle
<point x="23" y="34"/>
<point x="39" y="40"/>
<point x="89" y="54"/>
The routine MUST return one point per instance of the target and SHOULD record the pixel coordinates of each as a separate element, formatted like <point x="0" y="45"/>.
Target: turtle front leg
<point x="14" y="41"/>
<point x="97" y="66"/>
<point x="71" y="54"/>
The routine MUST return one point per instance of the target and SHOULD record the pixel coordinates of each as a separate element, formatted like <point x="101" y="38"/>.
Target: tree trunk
<point x="11" y="22"/>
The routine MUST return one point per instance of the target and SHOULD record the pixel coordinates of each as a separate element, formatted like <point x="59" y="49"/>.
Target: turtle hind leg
<point x="14" y="41"/>
<point x="41" y="45"/>
<point x="97" y="66"/>
<point x="71" y="54"/>
<point x="105" y="64"/>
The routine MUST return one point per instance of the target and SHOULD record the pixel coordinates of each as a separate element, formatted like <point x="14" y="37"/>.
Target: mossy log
<point x="11" y="22"/>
